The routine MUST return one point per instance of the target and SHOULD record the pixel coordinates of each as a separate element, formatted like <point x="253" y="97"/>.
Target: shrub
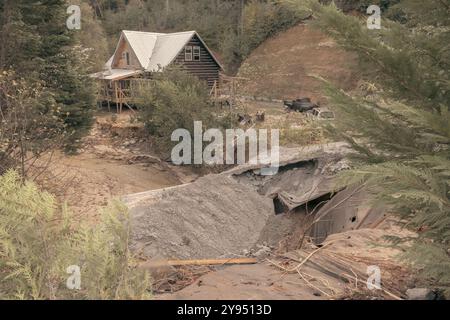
<point x="30" y="123"/>
<point x="175" y="101"/>
<point x="38" y="243"/>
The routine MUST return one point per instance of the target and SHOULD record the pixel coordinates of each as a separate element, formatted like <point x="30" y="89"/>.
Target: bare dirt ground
<point x="283" y="67"/>
<point x="336" y="271"/>
<point x="112" y="162"/>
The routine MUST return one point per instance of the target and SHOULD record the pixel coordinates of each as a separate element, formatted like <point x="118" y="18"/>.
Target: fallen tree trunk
<point x="197" y="262"/>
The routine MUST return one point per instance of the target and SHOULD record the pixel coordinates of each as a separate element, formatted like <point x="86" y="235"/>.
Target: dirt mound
<point x="224" y="215"/>
<point x="200" y="220"/>
<point x="281" y="67"/>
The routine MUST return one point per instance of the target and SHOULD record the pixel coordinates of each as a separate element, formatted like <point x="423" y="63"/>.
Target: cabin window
<point x="188" y="53"/>
<point x="126" y="57"/>
<point x="196" y="53"/>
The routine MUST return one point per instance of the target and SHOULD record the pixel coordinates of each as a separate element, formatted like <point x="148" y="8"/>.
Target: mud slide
<point x="227" y="214"/>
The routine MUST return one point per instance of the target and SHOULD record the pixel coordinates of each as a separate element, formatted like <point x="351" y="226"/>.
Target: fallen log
<point x="197" y="262"/>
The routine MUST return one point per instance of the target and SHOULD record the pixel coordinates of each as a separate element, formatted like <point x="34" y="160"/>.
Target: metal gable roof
<point x="167" y="48"/>
<point x="142" y="43"/>
<point x="156" y="51"/>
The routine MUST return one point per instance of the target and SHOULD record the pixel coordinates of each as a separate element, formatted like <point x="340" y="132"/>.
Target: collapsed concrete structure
<point x="223" y="215"/>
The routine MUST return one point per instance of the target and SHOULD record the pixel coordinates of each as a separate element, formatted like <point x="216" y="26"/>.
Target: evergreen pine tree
<point x="37" y="46"/>
<point x="398" y="121"/>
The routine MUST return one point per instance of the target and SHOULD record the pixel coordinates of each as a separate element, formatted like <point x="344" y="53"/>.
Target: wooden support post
<point x="106" y="94"/>
<point x="116" y="94"/>
<point x="121" y="99"/>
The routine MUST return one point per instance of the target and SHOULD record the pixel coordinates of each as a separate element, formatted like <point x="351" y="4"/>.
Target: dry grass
<point x="296" y="129"/>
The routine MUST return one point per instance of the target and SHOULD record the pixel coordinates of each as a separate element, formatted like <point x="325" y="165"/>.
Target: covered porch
<point x="119" y="87"/>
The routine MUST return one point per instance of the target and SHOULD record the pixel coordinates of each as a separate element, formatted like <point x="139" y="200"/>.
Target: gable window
<point x="126" y="57"/>
<point x="196" y="53"/>
<point x="188" y="53"/>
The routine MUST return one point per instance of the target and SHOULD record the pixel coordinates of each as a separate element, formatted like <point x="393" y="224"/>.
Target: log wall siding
<point x="206" y="69"/>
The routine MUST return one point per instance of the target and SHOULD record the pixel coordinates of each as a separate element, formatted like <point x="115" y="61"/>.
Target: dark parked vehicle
<point x="300" y="105"/>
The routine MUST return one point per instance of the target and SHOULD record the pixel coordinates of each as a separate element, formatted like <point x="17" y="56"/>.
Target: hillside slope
<point x="281" y="67"/>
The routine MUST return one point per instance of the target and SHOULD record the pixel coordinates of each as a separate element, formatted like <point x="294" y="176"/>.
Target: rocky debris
<point x="104" y="151"/>
<point x="262" y="251"/>
<point x="334" y="168"/>
<point x="420" y="294"/>
<point x="124" y="154"/>
<point x="143" y="158"/>
<point x="129" y="142"/>
<point x="124" y="129"/>
<point x="259" y="251"/>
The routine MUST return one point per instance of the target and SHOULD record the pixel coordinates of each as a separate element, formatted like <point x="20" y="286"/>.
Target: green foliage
<point x="265" y="19"/>
<point x="212" y="19"/>
<point x="232" y="28"/>
<point x="75" y="94"/>
<point x="175" y="101"/>
<point x="38" y="47"/>
<point x="30" y="122"/>
<point x="260" y="21"/>
<point x="38" y="242"/>
<point x="92" y="37"/>
<point x="399" y="121"/>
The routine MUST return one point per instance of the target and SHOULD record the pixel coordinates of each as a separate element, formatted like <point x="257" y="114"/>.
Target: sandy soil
<point x="108" y="166"/>
<point x="277" y="278"/>
<point x="91" y="181"/>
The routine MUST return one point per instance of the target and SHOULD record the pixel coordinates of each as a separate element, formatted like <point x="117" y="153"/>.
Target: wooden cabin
<point x="138" y="55"/>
